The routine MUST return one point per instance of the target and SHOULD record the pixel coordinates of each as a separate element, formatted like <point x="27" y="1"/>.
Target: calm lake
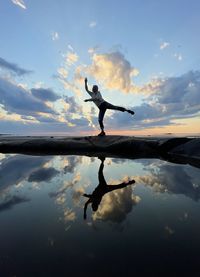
<point x="89" y="216"/>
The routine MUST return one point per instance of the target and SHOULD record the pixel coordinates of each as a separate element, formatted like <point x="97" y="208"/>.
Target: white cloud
<point x="92" y="50"/>
<point x="92" y="24"/>
<point x="169" y="99"/>
<point x="67" y="68"/>
<point x="69" y="215"/>
<point x="55" y="36"/>
<point x="164" y="45"/>
<point x="70" y="47"/>
<point x="178" y="56"/>
<point x="113" y="71"/>
<point x="63" y="73"/>
<point x="68" y="85"/>
<point x="19" y="3"/>
<point x="71" y="58"/>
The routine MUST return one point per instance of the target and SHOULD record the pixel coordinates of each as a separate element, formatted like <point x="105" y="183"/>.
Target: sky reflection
<point x="142" y="207"/>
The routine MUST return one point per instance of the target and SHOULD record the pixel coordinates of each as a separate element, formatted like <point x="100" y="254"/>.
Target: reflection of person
<point x="102" y="188"/>
<point x="102" y="105"/>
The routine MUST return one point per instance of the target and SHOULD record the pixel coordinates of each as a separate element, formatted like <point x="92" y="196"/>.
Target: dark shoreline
<point x="174" y="149"/>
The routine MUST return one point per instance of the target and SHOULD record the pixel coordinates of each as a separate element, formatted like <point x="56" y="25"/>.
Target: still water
<point x="83" y="216"/>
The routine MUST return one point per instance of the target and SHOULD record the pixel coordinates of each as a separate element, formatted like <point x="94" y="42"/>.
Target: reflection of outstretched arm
<point x="120" y="186"/>
<point x="87" y="195"/>
<point x="88" y="100"/>
<point x="85" y="208"/>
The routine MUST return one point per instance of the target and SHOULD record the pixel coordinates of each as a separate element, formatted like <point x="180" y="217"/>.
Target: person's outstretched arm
<point x="87" y="100"/>
<point x="87" y="195"/>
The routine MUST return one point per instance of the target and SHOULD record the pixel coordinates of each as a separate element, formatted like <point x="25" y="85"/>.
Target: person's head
<point x="95" y="88"/>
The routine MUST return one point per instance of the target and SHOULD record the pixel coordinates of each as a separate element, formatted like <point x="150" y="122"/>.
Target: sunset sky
<point x="143" y="54"/>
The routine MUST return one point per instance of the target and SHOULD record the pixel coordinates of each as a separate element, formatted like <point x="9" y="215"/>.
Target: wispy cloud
<point x="93" y="24"/>
<point x="70" y="47"/>
<point x="19" y="3"/>
<point x="178" y="56"/>
<point x="92" y="50"/>
<point x="10" y="202"/>
<point x="55" y="36"/>
<point x="164" y="45"/>
<point x="71" y="58"/>
<point x="63" y="73"/>
<point x="13" y="67"/>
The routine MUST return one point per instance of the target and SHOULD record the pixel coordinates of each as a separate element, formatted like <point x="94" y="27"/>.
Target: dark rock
<point x="188" y="149"/>
<point x="181" y="150"/>
<point x="172" y="143"/>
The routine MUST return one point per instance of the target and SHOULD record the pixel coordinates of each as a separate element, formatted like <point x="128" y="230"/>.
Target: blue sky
<point x="140" y="53"/>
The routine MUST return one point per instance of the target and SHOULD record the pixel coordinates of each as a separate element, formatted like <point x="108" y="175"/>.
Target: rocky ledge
<point x="183" y="150"/>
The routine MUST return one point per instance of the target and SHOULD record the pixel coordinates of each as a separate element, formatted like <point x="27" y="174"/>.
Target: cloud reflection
<point x="15" y="169"/>
<point x="114" y="200"/>
<point x="116" y="205"/>
<point x="173" y="179"/>
<point x="10" y="202"/>
<point x="43" y="174"/>
<point x="110" y="202"/>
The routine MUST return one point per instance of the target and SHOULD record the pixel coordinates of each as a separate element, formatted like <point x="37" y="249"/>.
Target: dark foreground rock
<point x="187" y="150"/>
<point x="122" y="145"/>
<point x="181" y="150"/>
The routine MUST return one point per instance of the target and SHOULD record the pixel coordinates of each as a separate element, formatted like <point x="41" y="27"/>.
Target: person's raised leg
<point x="113" y="107"/>
<point x="118" y="108"/>
<point x="131" y="112"/>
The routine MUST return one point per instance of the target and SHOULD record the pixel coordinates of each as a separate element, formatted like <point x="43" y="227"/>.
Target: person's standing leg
<point x="101" y="116"/>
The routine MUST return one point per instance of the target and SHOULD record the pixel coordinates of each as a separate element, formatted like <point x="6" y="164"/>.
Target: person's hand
<point x="85" y="100"/>
<point x="85" y="80"/>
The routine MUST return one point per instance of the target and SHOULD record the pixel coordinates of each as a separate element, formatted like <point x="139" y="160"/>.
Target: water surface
<point x="147" y="222"/>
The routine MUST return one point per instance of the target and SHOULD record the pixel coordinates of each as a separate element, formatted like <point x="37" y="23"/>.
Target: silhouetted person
<point x="102" y="105"/>
<point x="102" y="188"/>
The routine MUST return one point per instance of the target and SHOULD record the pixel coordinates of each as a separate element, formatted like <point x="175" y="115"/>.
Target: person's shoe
<point x="131" y="112"/>
<point x="102" y="134"/>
